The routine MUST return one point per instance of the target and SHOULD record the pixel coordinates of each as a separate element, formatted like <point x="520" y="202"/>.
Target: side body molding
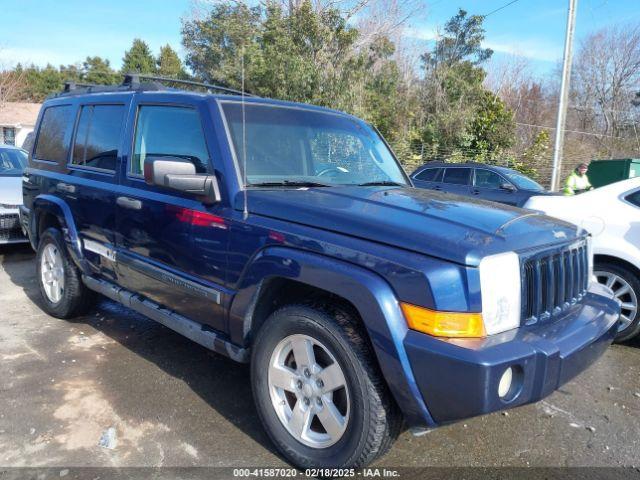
<point x="368" y="292"/>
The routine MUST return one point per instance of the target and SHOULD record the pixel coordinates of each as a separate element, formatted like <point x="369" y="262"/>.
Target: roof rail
<point x="135" y="77"/>
<point x="77" y="88"/>
<point x="140" y="82"/>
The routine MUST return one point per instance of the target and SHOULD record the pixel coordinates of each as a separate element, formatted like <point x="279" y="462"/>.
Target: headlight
<point x="501" y="292"/>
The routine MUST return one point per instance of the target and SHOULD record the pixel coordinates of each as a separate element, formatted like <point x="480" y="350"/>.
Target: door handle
<point x="437" y="187"/>
<point x="65" y="187"/>
<point x="475" y="191"/>
<point x="130" y="203"/>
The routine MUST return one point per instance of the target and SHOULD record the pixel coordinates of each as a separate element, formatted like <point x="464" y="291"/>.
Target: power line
<point x="593" y="134"/>
<point x="500" y="8"/>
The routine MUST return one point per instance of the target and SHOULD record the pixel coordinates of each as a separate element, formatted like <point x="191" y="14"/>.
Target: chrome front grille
<point x="553" y="282"/>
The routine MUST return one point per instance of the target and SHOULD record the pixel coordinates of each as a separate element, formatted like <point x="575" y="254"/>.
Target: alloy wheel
<point x="52" y="273"/>
<point x="308" y="391"/>
<point x="624" y="293"/>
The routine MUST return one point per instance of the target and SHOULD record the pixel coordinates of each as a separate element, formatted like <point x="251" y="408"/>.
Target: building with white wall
<point x="17" y="119"/>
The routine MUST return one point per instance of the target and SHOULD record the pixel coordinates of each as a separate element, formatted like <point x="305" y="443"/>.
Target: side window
<point x="487" y="179"/>
<point x="429" y="175"/>
<point x="52" y="135"/>
<point x="98" y="136"/>
<point x="165" y="131"/>
<point x="457" y="176"/>
<point x="8" y="135"/>
<point x="634" y="198"/>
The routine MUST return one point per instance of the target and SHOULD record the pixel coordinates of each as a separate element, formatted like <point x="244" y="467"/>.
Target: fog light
<point x="505" y="382"/>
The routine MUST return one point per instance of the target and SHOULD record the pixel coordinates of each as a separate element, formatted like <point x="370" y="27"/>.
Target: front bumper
<point x="10" y="229"/>
<point x="458" y="378"/>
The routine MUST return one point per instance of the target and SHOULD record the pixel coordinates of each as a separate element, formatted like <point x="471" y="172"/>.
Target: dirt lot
<point x="173" y="403"/>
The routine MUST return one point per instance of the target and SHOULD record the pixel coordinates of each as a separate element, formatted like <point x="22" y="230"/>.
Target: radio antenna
<point x="244" y="144"/>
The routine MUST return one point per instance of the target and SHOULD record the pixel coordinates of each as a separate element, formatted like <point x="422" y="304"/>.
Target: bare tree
<point x="512" y="80"/>
<point x="12" y="84"/>
<point x="606" y="81"/>
<point x="506" y="76"/>
<point x="386" y="18"/>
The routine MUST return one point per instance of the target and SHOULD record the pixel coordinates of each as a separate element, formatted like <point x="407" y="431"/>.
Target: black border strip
<point x="168" y="278"/>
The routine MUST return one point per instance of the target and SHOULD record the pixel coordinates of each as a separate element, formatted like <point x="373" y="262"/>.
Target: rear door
<point x="457" y="180"/>
<point x="171" y="248"/>
<point x="92" y="168"/>
<point x="87" y="167"/>
<point x="489" y="185"/>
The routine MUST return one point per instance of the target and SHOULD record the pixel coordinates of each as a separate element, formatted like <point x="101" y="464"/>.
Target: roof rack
<point x="135" y="78"/>
<point x="140" y="82"/>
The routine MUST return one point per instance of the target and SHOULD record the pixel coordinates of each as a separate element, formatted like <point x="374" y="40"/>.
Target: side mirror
<point x="508" y="187"/>
<point x="177" y="174"/>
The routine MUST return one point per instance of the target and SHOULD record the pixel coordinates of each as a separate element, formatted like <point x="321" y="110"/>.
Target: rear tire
<point x="626" y="286"/>
<point x="368" y="420"/>
<point x="60" y="281"/>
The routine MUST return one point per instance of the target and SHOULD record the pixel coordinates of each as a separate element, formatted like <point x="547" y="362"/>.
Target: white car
<point x="12" y="162"/>
<point x="612" y="215"/>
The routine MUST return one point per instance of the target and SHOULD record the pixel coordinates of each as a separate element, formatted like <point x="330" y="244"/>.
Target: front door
<point x="490" y="185"/>
<point x="171" y="247"/>
<point x="429" y="178"/>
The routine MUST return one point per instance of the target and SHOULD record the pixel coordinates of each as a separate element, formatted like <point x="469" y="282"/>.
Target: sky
<point x="67" y="31"/>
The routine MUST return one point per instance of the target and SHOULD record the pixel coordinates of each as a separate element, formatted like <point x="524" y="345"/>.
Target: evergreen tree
<point x="98" y="70"/>
<point x="39" y="82"/>
<point x="138" y="59"/>
<point x="462" y="119"/>
<point x="169" y="63"/>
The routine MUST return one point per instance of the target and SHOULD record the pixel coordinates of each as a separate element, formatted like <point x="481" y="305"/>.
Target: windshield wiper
<point x="382" y="183"/>
<point x="289" y="183"/>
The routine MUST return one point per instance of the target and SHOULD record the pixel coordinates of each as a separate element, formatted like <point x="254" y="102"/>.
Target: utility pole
<point x="564" y="94"/>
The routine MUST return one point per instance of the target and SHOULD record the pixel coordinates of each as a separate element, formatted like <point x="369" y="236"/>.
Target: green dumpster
<point x="604" y="172"/>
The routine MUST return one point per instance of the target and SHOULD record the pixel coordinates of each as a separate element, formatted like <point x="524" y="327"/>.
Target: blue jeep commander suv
<point x="288" y="236"/>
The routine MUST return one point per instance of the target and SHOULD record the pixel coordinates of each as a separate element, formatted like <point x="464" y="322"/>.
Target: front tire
<point x="318" y="390"/>
<point x="626" y="288"/>
<point x="61" y="288"/>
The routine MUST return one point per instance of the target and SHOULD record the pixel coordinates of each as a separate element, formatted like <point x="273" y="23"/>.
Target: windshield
<point x="524" y="183"/>
<point x="12" y="161"/>
<point x="297" y="146"/>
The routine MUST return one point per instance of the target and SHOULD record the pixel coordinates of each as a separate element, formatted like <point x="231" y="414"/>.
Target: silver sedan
<point x="12" y="163"/>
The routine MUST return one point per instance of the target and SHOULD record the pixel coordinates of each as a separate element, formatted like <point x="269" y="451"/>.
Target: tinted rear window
<point x="457" y="176"/>
<point x="98" y="136"/>
<point x="429" y="175"/>
<point x="634" y="198"/>
<point x="52" y="137"/>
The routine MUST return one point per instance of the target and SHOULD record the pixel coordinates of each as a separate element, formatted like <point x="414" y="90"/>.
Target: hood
<point x="442" y="225"/>
<point x="11" y="190"/>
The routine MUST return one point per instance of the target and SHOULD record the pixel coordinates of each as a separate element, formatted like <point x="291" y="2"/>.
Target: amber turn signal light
<point x="443" y="324"/>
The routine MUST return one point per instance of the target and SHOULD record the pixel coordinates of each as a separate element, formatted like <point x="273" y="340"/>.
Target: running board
<point x="199" y="333"/>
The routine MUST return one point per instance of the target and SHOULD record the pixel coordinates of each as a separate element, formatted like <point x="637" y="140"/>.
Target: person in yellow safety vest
<point x="578" y="182"/>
